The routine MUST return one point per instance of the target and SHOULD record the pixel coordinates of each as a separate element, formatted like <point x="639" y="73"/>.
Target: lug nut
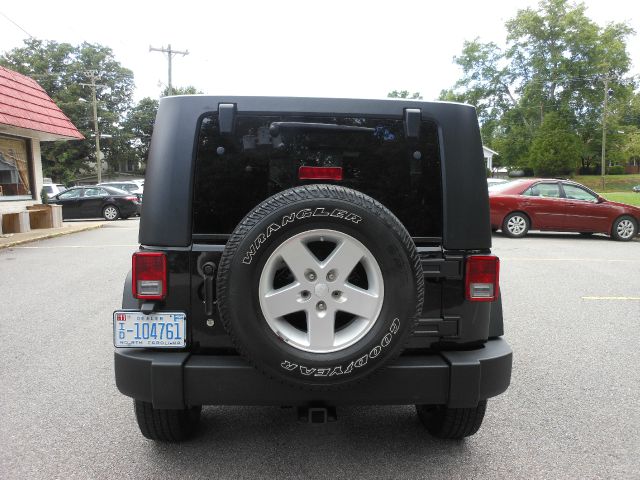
<point x="336" y="294"/>
<point x="305" y="294"/>
<point x="311" y="276"/>
<point x="210" y="322"/>
<point x="321" y="306"/>
<point x="331" y="276"/>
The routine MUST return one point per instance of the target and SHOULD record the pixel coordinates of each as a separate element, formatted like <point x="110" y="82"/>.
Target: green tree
<point x="139" y="127"/>
<point x="61" y="69"/>
<point x="189" y="90"/>
<point x="555" y="149"/>
<point x="556" y="60"/>
<point x="404" y="94"/>
<point x="136" y="130"/>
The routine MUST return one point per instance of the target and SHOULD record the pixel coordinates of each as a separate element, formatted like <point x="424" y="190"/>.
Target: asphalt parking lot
<point x="572" y="314"/>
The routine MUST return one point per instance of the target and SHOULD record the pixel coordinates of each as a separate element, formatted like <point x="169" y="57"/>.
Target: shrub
<point x="616" y="170"/>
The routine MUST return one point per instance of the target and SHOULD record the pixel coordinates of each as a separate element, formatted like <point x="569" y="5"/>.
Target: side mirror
<point x="600" y="199"/>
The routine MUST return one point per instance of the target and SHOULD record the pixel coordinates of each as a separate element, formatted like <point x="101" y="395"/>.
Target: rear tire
<point x="166" y="425"/>
<point x="110" y="213"/>
<point x="516" y="225"/>
<point x="451" y="423"/>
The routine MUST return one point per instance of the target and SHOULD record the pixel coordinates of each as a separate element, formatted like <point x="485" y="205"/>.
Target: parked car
<point x="636" y="189"/>
<point x="558" y="205"/>
<point x="93" y="201"/>
<point x="53" y="189"/>
<point x="131" y="187"/>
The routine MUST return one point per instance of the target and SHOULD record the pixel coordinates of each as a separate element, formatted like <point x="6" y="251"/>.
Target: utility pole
<point x="604" y="130"/>
<point x="170" y="53"/>
<point x="93" y="76"/>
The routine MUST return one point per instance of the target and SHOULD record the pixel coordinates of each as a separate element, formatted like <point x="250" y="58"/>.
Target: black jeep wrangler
<point x="312" y="253"/>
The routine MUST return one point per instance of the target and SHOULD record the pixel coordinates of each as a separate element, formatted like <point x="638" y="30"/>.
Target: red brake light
<point x="149" y="275"/>
<point x="320" y="173"/>
<point x="482" y="278"/>
<point x="133" y="198"/>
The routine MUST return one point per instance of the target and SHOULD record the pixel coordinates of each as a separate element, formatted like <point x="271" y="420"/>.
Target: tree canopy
<point x="404" y="94"/>
<point x="556" y="59"/>
<point x="64" y="71"/>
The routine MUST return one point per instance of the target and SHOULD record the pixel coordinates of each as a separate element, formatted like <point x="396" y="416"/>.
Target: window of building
<point x="15" y="169"/>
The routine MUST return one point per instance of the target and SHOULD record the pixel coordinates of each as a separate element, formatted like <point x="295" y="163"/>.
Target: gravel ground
<point x="572" y="314"/>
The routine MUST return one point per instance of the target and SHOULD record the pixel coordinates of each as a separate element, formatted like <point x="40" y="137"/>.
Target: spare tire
<point x="320" y="286"/>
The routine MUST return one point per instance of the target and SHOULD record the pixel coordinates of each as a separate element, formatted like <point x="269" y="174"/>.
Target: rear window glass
<point x="235" y="173"/>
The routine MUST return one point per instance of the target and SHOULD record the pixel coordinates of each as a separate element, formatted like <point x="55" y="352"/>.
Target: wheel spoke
<point x="321" y="328"/>
<point x="359" y="302"/>
<point x="343" y="259"/>
<point x="298" y="258"/>
<point x="284" y="301"/>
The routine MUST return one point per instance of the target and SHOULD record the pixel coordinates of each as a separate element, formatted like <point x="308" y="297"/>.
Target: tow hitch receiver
<point x="317" y="415"/>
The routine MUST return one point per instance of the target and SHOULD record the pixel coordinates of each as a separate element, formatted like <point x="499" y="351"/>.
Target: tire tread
<point x="452" y="423"/>
<point x="166" y="425"/>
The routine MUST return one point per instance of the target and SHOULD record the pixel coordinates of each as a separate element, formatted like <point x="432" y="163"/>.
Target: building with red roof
<point x="28" y="116"/>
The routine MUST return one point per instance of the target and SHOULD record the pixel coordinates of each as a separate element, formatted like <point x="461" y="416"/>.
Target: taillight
<point x="482" y="278"/>
<point x="149" y="275"/>
<point x="320" y="173"/>
<point x="134" y="198"/>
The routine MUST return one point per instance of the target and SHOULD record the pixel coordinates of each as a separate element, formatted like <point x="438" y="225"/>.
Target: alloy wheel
<point x="321" y="291"/>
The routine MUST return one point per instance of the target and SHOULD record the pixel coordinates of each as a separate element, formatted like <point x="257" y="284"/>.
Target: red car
<point x="560" y="206"/>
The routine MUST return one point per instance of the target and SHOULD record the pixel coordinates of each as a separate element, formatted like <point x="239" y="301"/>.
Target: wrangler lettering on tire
<point x="301" y="288"/>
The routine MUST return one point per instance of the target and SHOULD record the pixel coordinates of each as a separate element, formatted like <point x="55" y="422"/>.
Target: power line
<point x="30" y="36"/>
<point x="170" y="53"/>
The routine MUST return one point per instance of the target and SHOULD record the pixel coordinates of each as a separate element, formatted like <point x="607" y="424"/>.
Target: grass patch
<point x="613" y="183"/>
<point x="623" y="197"/>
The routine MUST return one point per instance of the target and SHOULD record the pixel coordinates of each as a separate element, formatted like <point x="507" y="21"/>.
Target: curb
<point x="49" y="235"/>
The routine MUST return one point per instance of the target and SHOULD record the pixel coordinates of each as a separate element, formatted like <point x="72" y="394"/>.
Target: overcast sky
<point x="327" y="48"/>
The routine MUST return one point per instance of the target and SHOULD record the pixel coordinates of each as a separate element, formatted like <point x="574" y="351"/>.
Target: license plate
<point x="157" y="330"/>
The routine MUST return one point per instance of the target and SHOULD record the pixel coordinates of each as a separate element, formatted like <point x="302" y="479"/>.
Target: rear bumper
<point x="129" y="209"/>
<point x="175" y="379"/>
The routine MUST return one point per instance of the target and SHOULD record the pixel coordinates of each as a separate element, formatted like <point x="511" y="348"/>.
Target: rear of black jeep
<point x="312" y="253"/>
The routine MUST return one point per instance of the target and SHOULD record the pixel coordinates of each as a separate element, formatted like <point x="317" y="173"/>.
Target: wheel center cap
<point x="321" y="290"/>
